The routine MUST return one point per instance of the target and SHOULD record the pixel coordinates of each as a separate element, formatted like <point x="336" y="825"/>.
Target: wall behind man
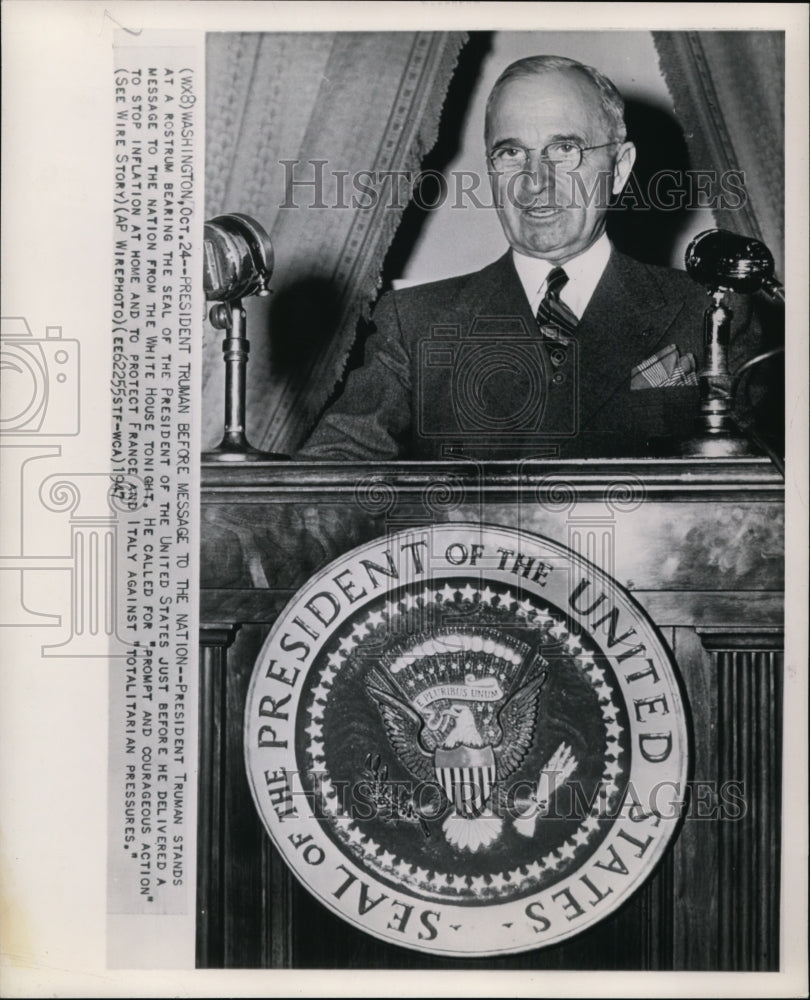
<point x="457" y="237"/>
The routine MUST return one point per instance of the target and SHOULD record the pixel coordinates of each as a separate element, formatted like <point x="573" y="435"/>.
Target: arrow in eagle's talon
<point x="455" y="741"/>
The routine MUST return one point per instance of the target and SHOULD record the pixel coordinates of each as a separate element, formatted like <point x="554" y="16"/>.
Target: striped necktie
<point x="555" y="319"/>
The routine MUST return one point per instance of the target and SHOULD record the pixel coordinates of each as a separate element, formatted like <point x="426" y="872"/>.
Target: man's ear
<point x="622" y="166"/>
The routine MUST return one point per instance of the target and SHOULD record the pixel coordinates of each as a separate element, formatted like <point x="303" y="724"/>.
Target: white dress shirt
<point x="583" y="273"/>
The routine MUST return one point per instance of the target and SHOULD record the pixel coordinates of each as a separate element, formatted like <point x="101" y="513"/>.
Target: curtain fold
<point x="728" y="93"/>
<point x="336" y="105"/>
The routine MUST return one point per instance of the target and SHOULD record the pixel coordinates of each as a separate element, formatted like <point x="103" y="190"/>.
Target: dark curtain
<point x="728" y="91"/>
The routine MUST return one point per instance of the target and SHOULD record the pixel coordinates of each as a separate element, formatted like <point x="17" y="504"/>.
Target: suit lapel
<point x="497" y="291"/>
<point x="628" y="319"/>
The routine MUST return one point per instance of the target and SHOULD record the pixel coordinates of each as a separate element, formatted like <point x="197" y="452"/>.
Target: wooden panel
<point x="693" y="899"/>
<point x="653" y="548"/>
<point x="245" y="884"/>
<point x="713" y="901"/>
<point x="750" y="685"/>
<point x="280" y="931"/>
<point x="214" y="641"/>
<point x="254" y="914"/>
<point x="702" y="909"/>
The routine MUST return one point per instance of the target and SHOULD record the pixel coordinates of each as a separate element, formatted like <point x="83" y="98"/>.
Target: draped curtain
<point x="336" y="104"/>
<point x="728" y="91"/>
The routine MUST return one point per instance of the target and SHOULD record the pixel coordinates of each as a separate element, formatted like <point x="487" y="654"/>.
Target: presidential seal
<point x="467" y="740"/>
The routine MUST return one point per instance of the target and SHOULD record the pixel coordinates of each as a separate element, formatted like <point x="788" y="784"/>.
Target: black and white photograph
<point x="530" y="286"/>
<point x="408" y="468"/>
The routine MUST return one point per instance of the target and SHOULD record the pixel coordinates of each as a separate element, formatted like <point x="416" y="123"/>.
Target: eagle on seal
<point x="467" y="754"/>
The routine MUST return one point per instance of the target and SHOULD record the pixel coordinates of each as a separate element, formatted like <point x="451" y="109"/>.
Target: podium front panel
<point x="699" y="545"/>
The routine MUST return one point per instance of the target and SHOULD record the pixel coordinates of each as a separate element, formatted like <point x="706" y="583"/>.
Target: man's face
<point x="549" y="212"/>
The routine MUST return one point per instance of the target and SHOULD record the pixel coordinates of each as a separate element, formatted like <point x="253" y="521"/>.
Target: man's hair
<point x="611" y="100"/>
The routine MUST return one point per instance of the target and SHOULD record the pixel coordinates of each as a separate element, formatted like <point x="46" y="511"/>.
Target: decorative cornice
<point x="218" y="633"/>
<point x="751" y="639"/>
<point x="550" y="483"/>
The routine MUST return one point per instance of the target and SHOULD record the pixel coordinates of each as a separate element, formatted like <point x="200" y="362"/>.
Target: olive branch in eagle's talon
<point x="554" y="775"/>
<point x="394" y="802"/>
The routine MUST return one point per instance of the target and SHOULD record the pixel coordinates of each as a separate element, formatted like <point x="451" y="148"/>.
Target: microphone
<point x="237" y="258"/>
<point x="717" y="258"/>
<point x="237" y="262"/>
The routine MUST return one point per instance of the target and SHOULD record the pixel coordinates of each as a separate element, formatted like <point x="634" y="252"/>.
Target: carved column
<point x="214" y="642"/>
<point x="749" y="691"/>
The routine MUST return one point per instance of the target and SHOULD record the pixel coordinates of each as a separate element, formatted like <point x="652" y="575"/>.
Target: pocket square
<point x="664" y="369"/>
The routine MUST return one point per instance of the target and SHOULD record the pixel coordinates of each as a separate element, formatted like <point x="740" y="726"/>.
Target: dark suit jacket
<point x="457" y="367"/>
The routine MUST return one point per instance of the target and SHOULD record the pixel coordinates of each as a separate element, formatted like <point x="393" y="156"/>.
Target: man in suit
<point x="562" y="347"/>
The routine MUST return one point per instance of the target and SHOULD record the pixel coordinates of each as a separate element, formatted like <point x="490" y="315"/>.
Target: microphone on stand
<point x="237" y="262"/>
<point x="725" y="262"/>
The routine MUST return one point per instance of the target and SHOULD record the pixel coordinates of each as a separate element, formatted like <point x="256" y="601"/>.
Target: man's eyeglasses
<point x="562" y="155"/>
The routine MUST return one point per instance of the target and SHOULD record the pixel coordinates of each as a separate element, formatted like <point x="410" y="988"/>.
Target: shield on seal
<point x="466" y="775"/>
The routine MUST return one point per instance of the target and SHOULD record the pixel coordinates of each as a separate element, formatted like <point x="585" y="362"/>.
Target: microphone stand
<point x="234" y="446"/>
<point x="239" y="262"/>
<point x="716" y="433"/>
<point x="722" y="262"/>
